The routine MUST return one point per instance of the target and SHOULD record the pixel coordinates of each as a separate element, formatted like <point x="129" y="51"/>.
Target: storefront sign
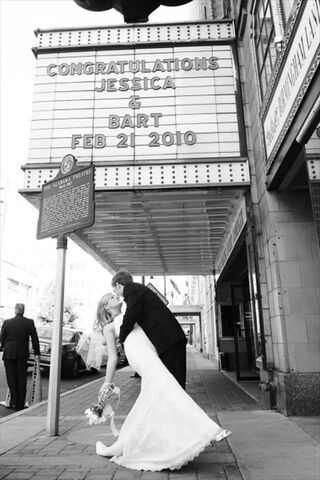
<point x="136" y="104"/>
<point x="302" y="52"/>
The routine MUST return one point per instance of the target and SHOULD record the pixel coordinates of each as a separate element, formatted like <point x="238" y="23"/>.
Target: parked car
<point x="71" y="362"/>
<point x="93" y="351"/>
<point x="122" y="359"/>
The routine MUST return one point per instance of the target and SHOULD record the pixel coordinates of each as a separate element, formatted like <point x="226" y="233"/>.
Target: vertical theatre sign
<point x="67" y="201"/>
<point x="297" y="69"/>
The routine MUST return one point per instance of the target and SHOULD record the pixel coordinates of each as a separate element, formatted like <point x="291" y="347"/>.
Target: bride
<point x="165" y="428"/>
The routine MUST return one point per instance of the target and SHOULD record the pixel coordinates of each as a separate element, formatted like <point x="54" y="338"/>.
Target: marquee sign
<point x="135" y="104"/>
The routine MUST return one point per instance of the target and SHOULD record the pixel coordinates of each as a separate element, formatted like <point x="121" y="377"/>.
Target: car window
<point x="67" y="335"/>
<point x="71" y="335"/>
<point x="44" y="332"/>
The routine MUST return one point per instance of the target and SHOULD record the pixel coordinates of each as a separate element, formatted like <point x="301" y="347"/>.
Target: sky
<point x="18" y="20"/>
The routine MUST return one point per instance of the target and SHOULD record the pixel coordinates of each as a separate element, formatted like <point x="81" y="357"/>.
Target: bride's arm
<point x="110" y="338"/>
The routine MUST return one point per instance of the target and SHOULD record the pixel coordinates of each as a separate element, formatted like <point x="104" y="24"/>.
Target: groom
<point x="159" y="324"/>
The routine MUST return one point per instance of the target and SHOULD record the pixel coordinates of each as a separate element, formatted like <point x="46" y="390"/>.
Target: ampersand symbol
<point x="134" y="104"/>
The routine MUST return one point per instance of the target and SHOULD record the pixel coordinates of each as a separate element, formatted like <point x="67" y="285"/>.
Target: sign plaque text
<point x="66" y="202"/>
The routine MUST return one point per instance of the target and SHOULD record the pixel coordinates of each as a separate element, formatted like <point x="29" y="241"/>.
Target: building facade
<point x="205" y="141"/>
<point x="268" y="278"/>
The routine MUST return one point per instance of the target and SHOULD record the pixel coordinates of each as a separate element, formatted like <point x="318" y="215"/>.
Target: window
<point x="286" y="7"/>
<point x="264" y="42"/>
<point x="227" y="320"/>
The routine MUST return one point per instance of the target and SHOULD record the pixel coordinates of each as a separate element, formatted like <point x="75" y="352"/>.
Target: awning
<point x="159" y="231"/>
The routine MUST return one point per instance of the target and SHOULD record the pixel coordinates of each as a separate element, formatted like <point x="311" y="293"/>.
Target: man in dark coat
<point x="159" y="324"/>
<point x="14" y="339"/>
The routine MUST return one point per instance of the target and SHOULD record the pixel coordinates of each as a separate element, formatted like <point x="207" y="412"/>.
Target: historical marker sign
<point x="67" y="201"/>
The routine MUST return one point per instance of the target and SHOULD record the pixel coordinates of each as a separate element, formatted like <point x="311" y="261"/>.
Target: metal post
<point x="55" y="364"/>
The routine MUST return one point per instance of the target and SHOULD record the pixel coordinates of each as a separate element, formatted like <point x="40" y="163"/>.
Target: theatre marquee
<point x="157" y="110"/>
<point x="135" y="102"/>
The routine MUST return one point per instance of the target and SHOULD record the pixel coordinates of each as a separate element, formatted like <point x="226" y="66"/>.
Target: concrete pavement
<point x="268" y="446"/>
<point x="264" y="446"/>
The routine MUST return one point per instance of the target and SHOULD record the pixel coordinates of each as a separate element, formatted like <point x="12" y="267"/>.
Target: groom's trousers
<point x="174" y="359"/>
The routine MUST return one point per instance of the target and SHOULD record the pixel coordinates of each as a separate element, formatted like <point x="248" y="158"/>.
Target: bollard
<point x="35" y="395"/>
<point x="8" y="398"/>
<point x="6" y="402"/>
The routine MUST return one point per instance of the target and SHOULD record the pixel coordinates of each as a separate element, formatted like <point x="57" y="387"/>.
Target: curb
<point x="44" y="402"/>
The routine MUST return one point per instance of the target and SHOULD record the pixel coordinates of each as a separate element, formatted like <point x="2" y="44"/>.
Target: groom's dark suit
<point x="14" y="338"/>
<point x="159" y="324"/>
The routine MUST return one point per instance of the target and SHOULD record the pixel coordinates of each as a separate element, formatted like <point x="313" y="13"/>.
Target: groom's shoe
<point x="222" y="435"/>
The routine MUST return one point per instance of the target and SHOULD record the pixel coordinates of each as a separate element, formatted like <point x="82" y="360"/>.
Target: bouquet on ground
<point x="106" y="407"/>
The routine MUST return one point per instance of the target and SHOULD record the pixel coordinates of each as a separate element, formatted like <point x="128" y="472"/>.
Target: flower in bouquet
<point x="105" y="408"/>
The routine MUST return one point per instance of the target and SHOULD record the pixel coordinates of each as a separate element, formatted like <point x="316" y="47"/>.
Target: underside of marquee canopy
<point x="156" y="232"/>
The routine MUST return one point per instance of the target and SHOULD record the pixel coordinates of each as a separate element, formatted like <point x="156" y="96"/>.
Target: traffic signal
<point x="133" y="11"/>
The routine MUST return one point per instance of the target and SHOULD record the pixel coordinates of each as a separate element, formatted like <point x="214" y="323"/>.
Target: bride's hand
<point x="106" y="388"/>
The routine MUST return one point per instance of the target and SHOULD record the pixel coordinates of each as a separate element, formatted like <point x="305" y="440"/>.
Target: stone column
<point x="293" y="284"/>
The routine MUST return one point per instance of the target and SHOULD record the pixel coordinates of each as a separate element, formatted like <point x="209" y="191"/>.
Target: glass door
<point x="243" y="333"/>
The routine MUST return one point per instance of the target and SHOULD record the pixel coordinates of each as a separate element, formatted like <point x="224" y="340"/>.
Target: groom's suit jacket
<point x="145" y="308"/>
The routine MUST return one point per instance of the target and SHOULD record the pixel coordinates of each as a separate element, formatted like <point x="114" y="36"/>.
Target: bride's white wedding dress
<point x="165" y="428"/>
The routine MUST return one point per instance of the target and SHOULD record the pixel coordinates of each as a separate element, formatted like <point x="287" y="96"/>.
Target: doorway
<point x="193" y="331"/>
<point x="243" y="333"/>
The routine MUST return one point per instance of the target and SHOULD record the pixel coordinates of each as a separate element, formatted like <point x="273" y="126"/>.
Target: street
<point x="65" y="385"/>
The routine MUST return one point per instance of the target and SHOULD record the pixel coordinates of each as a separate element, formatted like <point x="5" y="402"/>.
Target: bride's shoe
<point x="222" y="435"/>
<point x="104" y="451"/>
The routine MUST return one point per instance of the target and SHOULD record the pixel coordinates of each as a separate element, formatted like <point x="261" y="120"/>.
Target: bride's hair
<point x="103" y="315"/>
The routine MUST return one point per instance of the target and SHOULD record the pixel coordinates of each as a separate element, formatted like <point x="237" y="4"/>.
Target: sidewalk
<point x="264" y="446"/>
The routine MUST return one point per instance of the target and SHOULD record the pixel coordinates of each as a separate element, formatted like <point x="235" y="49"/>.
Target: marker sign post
<point x="67" y="204"/>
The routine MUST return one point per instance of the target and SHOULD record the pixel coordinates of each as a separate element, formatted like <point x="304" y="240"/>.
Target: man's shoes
<point x="11" y="407"/>
<point x="222" y="435"/>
